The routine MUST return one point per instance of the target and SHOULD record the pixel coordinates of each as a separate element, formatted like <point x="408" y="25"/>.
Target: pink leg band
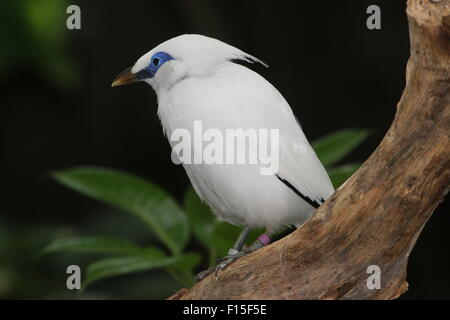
<point x="264" y="238"/>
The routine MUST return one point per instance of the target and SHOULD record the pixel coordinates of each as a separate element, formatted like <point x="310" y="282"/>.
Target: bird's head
<point x="178" y="58"/>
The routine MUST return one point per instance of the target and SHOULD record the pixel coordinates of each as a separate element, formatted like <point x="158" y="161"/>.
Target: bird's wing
<point x="299" y="167"/>
<point x="301" y="170"/>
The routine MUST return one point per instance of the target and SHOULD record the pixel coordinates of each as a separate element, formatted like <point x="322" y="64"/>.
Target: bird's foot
<point x="225" y="261"/>
<point x="201" y="275"/>
<point x="221" y="264"/>
<point x="233" y="255"/>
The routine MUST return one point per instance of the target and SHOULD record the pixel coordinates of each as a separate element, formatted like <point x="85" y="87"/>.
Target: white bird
<point x="196" y="79"/>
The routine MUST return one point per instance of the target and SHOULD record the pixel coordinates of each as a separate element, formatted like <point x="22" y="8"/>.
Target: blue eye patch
<point x="157" y="60"/>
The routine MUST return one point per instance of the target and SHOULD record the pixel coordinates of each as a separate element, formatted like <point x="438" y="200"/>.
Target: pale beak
<point x="125" y="77"/>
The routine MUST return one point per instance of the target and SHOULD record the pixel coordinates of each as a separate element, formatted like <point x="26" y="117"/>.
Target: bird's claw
<point x="225" y="261"/>
<point x="201" y="275"/>
<point x="222" y="263"/>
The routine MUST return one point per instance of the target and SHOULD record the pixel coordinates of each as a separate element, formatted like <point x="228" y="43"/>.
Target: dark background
<point x="57" y="109"/>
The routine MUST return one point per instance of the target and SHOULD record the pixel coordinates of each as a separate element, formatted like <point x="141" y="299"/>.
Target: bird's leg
<point x="261" y="241"/>
<point x="235" y="250"/>
<point x="239" y="242"/>
<point x="239" y="250"/>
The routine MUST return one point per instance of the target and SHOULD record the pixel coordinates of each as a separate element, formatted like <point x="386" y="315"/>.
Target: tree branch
<point x="377" y="216"/>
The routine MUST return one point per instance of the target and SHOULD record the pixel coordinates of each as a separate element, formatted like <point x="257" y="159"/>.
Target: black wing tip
<point x="310" y="201"/>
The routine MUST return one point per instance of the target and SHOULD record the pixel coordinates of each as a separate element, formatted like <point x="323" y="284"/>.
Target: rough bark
<point x="377" y="216"/>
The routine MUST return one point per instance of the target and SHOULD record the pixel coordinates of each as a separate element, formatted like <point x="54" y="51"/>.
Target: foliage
<point x="38" y="42"/>
<point x="169" y="222"/>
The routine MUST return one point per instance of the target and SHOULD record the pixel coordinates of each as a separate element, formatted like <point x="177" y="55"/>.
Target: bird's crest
<point x="199" y="51"/>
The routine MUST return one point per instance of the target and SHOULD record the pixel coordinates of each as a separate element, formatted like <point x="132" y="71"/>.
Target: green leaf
<point x="201" y="218"/>
<point x="92" y="245"/>
<point x="152" y="259"/>
<point x="333" y="147"/>
<point x="216" y="235"/>
<point x="183" y="269"/>
<point x="339" y="175"/>
<point x="134" y="195"/>
<point x="223" y="238"/>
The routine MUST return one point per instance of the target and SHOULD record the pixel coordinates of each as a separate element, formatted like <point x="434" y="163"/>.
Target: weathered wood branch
<point x="377" y="216"/>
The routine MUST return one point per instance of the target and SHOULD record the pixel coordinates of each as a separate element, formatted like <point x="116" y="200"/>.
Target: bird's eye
<point x="156" y="61"/>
